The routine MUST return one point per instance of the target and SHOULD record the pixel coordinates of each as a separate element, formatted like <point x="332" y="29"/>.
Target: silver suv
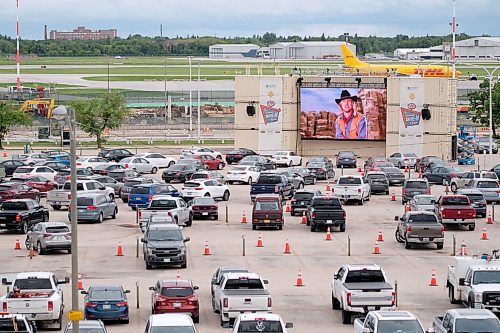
<point x="48" y="236"/>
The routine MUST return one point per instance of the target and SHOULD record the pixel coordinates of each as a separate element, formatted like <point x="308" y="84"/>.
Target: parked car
<point x="56" y="166"/>
<point x="106" y="302"/>
<point x="22" y="214"/>
<point x="205" y="188"/>
<point x="204" y="207"/>
<point x="346" y="158"/>
<point x="465" y="320"/>
<point x="198" y="164"/>
<point x="257" y="160"/>
<point x="412" y="187"/>
<point x="17" y="323"/>
<point x="104" y="169"/>
<point x="307" y="175"/>
<point x="402" y="159"/>
<point x="442" y="174"/>
<point x="424" y="162"/>
<point x="160" y="160"/>
<point x="167" y="206"/>
<point x="62" y="197"/>
<point x="322" y="170"/>
<point x="43" y="185"/>
<point x="10" y="166"/>
<point x="324" y="212"/>
<point x="10" y="191"/>
<point x="482" y="144"/>
<point x="267" y="211"/>
<point x="30" y="159"/>
<point x="26" y="171"/>
<point x="175" y="296"/>
<point x="301" y="200"/>
<point x="131" y="182"/>
<point x="464" y="179"/>
<point x="90" y="162"/>
<point x="206" y="151"/>
<point x="369" y="163"/>
<point x="95" y="207"/>
<point x="64" y="175"/>
<point x="114" y="154"/>
<point x="272" y="183"/>
<point x="378" y="182"/>
<point x="236" y="155"/>
<point x="61" y="158"/>
<point x="488" y="187"/>
<point x="141" y="195"/>
<point x="123" y="175"/>
<point x="170" y="322"/>
<point x="49" y="236"/>
<point x="477" y="200"/>
<point x="286" y="158"/>
<point x="53" y="152"/>
<point x="178" y="172"/>
<point x="243" y="174"/>
<point x="87" y="326"/>
<point x="388" y="321"/>
<point x="211" y="162"/>
<point x="419" y="227"/>
<point x="352" y="188"/>
<point x="495" y="169"/>
<point x="109" y="182"/>
<point x="423" y="202"/>
<point x="219" y="274"/>
<point x="320" y="159"/>
<point x="141" y="165"/>
<point x="394" y="175"/>
<point x="455" y="210"/>
<point x="216" y="175"/>
<point x="164" y="245"/>
<point x="294" y="178"/>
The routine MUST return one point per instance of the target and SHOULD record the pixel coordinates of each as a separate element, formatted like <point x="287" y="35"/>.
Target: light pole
<point x="107" y="58"/>
<point x="453" y="32"/>
<point x="190" y="98"/>
<point x="199" y="104"/>
<point x="62" y="113"/>
<point x="166" y="98"/>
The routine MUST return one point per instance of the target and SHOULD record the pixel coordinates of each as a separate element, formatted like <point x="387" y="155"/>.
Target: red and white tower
<point x="453" y="32"/>
<point x="18" y="57"/>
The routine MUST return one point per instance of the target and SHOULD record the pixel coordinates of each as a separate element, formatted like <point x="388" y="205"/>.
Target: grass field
<point x="40" y="84"/>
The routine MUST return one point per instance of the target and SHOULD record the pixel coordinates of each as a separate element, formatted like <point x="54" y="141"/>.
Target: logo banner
<point x="270" y="112"/>
<point x="411" y="128"/>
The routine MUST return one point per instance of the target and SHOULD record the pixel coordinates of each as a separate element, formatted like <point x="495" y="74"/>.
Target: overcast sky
<point x="245" y="18"/>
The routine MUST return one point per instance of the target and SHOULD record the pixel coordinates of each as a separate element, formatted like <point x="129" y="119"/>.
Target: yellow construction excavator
<point x="41" y="106"/>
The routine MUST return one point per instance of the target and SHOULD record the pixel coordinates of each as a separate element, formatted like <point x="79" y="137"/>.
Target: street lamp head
<point x="59" y="112"/>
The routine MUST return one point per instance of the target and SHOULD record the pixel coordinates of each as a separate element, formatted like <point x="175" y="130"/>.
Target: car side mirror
<point x="65" y="281"/>
<point x="196" y="287"/>
<point x="187" y="239"/>
<point x="461" y="282"/>
<point x="396" y="218"/>
<point x="265" y="281"/>
<point x="143" y="240"/>
<point x="83" y="292"/>
<point x="151" y="288"/>
<point x="336" y="276"/>
<point x="127" y="291"/>
<point x="289" y="325"/>
<point x="5" y="282"/>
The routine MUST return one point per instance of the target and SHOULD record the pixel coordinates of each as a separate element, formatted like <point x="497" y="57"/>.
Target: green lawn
<point x="150" y="78"/>
<point x="40" y="84"/>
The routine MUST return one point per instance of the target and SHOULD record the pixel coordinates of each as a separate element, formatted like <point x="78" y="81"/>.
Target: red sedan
<point x="39" y="183"/>
<point x="175" y="295"/>
<point x="211" y="162"/>
<point x="18" y="191"/>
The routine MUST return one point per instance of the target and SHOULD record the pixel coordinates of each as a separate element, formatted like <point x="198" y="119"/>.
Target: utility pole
<point x="453" y="32"/>
<point x="190" y="97"/>
<point x="199" y="103"/>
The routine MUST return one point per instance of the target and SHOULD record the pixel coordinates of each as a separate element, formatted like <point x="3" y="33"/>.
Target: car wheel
<point x="472" y="227"/>
<point x="407" y="245"/>
<point x="313" y="228"/>
<point x="444" y="181"/>
<point x="451" y="295"/>
<point x="207" y="194"/>
<point x="301" y="186"/>
<point x="361" y="201"/>
<point x="100" y="218"/>
<point x="69" y="251"/>
<point x="56" y="207"/>
<point x="346" y="317"/>
<point x="300" y="162"/>
<point x="335" y="303"/>
<point x="24" y="228"/>
<point x="216" y="217"/>
<point x="292" y="212"/>
<point x="114" y="214"/>
<point x="39" y="248"/>
<point x="27" y="243"/>
<point x="184" y="264"/>
<point x="314" y="181"/>
<point x="196" y="320"/>
<point x="125" y="200"/>
<point x="154" y="170"/>
<point x="399" y="165"/>
<point x="453" y="187"/>
<point x="249" y="181"/>
<point x="148" y="266"/>
<point x="440" y="246"/>
<point x="342" y="227"/>
<point x="220" y="166"/>
<point x="254" y="227"/>
<point x="190" y="220"/>
<point x="225" y="197"/>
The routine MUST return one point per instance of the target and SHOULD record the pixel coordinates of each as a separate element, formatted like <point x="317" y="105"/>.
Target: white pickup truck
<point x="38" y="296"/>
<point x="360" y="289"/>
<point x="352" y="188"/>
<point x="475" y="282"/>
<point x="388" y="321"/>
<point x="167" y="205"/>
<point x="59" y="198"/>
<point x="466" y="320"/>
<point x="240" y="293"/>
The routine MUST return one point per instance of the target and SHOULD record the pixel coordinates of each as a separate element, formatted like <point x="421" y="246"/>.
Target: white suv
<point x="205" y="188"/>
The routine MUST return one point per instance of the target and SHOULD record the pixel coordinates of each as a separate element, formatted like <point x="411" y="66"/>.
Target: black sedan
<point x="394" y="175"/>
<point x="308" y="176"/>
<point x="198" y="164"/>
<point x="260" y="161"/>
<point x="104" y="169"/>
<point x="54" y="165"/>
<point x="322" y="170"/>
<point x="178" y="172"/>
<point x="346" y="159"/>
<point x="442" y="174"/>
<point x="236" y="155"/>
<point x="10" y="166"/>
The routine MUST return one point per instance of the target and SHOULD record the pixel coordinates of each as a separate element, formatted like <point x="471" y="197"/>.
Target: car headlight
<point x="478" y="297"/>
<point x="183" y="251"/>
<point x="149" y="250"/>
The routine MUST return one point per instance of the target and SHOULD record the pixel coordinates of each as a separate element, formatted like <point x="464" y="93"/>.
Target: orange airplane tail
<point x="350" y="60"/>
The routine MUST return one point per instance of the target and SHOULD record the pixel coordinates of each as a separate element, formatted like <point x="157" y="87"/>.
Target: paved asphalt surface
<point x="308" y="307"/>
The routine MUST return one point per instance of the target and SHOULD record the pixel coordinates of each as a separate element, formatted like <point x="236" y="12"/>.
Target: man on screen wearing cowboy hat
<point x="349" y="124"/>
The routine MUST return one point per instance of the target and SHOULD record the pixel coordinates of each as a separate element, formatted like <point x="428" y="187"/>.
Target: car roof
<point x="19" y="200"/>
<point x="468" y="191"/>
<point x="106" y="287"/>
<point x="170" y="319"/>
<point x="237" y="275"/>
<point x="308" y="191"/>
<point x="148" y="185"/>
<point x="90" y="195"/>
<point x="417" y="180"/>
<point x="260" y="316"/>
<point x="164" y="226"/>
<point x="232" y="269"/>
<point x="363" y="266"/>
<point x="394" y="315"/>
<point x="476" y="313"/>
<point x="87" y="323"/>
<point x="485" y="179"/>
<point x="265" y="196"/>
<point x="172" y="283"/>
<point x="42" y="275"/>
<point x="375" y="173"/>
<point x="53" y="224"/>
<point x="164" y="196"/>
<point x="420" y="212"/>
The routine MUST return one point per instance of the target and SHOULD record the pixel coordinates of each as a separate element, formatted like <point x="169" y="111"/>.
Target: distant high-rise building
<point x="84" y="34"/>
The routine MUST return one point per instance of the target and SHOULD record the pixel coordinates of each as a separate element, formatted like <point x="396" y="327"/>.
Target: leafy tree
<point x="10" y="116"/>
<point x="96" y="115"/>
<point x="480" y="104"/>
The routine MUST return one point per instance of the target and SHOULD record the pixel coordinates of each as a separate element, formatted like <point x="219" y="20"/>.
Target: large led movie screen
<point x="343" y="113"/>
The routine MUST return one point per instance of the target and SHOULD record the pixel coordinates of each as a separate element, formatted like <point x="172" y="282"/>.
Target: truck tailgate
<point x="60" y="196"/>
<point x="247" y="300"/>
<point x="370" y="293"/>
<point x="458" y="212"/>
<point x="329" y="214"/>
<point x="425" y="230"/>
<point x="27" y="306"/>
<point x="263" y="188"/>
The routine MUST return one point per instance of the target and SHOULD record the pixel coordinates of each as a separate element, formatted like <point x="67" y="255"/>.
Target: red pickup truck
<point x="456" y="210"/>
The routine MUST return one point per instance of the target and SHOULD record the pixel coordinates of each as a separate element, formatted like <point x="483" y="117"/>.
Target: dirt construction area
<point x="308" y="307"/>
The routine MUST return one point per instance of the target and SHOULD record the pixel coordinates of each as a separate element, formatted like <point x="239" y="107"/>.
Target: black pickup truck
<point x="272" y="183"/>
<point x="22" y="214"/>
<point x="325" y="211"/>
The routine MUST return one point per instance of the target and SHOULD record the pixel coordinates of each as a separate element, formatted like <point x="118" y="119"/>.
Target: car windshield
<point x="391" y="170"/>
<point x="425" y="201"/>
<point x="422" y="218"/>
<point x="244" y="283"/>
<point x="481" y="277"/>
<point x="163" y="204"/>
<point x="409" y="155"/>
<point x="349" y="181"/>
<point x="326" y="201"/>
<point x="192" y="184"/>
<point x="14" y="205"/>
<point x="456" y="201"/>
<point x="260" y="326"/>
<point x="269" y="179"/>
<point x="490" y="175"/>
<point x="177" y="292"/>
<point x="266" y="205"/>
<point x="84" y="201"/>
<point x="316" y="165"/>
<point x="303" y="196"/>
<point x="200" y="176"/>
<point x="368" y="275"/>
<point x="139" y="190"/>
<point x="203" y="201"/>
<point x="399" y="326"/>
<point x="164" y="235"/>
<point x="469" y="325"/>
<point x="281" y="153"/>
<point x="475" y="197"/>
<point x="417" y="185"/>
<point x="485" y="140"/>
<point x="487" y="184"/>
<point x="32" y="283"/>
<point x="24" y="170"/>
<point x="376" y="176"/>
<point x="172" y="329"/>
<point x="104" y="294"/>
<point x="383" y="164"/>
<point x="239" y="168"/>
<point x="345" y="154"/>
<point x="57" y="230"/>
<point x="63" y="173"/>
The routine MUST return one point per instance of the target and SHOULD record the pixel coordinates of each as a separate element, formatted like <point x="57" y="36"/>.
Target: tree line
<point x="138" y="45"/>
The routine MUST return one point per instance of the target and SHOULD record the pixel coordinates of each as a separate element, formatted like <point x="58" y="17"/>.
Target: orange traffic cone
<point x="178" y="275"/>
<point x="490" y="220"/>
<point x="328" y="188"/>
<point x="80" y="282"/>
<point x="485" y="235"/>
<point x="406" y="168"/>
<point x="380" y="237"/>
<point x="420" y="173"/>
<point x="18" y="244"/>
<point x="299" y="282"/>
<point x="362" y="174"/>
<point x="328" y="234"/>
<point x="207" y="249"/>
<point x="259" y="241"/>
<point x="303" y="220"/>
<point x="393" y="196"/>
<point x="287" y="248"/>
<point x="376" y="250"/>
<point x="32" y="252"/>
<point x="463" y="249"/>
<point x="408" y="207"/>
<point x="433" y="282"/>
<point x="244" y="218"/>
<point x="119" y="252"/>
<point x="359" y="169"/>
<point x="4" y="153"/>
<point x="287" y="207"/>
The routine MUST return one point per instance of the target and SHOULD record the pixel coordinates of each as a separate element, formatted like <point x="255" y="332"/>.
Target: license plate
<point x="267" y="221"/>
<point x="106" y="307"/>
<point x="371" y="308"/>
<point x="56" y="203"/>
<point x="58" y="238"/>
<point x="302" y="203"/>
<point x="3" y="225"/>
<point x="190" y="193"/>
<point x="204" y="213"/>
<point x="177" y="305"/>
<point x="329" y="221"/>
<point x="2" y="217"/>
<point x="166" y="260"/>
<point x="425" y="239"/>
<point x="82" y="210"/>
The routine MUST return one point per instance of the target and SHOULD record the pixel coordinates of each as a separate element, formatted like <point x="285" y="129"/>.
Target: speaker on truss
<point x="426" y="113"/>
<point x="250" y="110"/>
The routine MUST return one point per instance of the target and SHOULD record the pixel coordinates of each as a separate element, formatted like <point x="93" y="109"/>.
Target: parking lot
<point x="308" y="307"/>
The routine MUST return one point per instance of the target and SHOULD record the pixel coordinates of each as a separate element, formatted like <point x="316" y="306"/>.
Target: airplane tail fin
<point x="350" y="60"/>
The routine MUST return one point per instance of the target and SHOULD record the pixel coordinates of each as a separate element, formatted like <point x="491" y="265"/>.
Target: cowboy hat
<point x="346" y="95"/>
